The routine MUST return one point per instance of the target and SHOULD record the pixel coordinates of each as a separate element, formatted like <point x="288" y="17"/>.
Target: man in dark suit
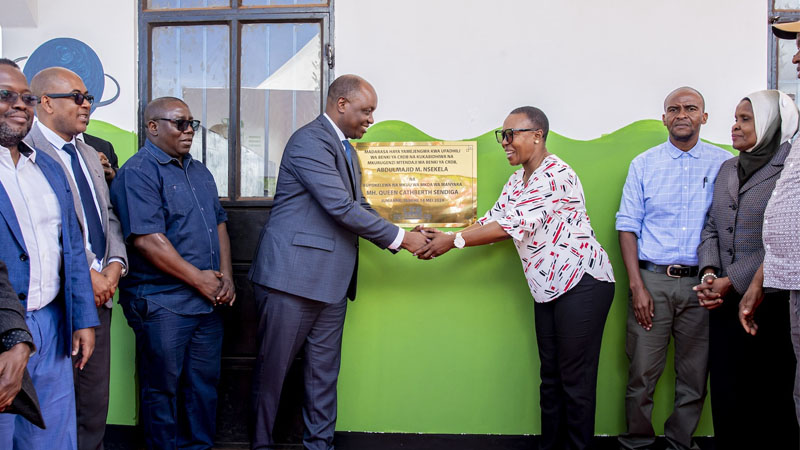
<point x="307" y="259"/>
<point x="41" y="242"/>
<point x="17" y="394"/>
<point x="61" y="119"/>
<point x="105" y="150"/>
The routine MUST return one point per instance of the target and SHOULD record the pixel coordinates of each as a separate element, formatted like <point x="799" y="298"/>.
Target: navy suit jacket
<point x="76" y="284"/>
<point x="309" y="247"/>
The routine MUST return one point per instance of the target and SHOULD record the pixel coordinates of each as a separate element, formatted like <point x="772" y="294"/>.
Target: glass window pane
<point x="192" y="63"/>
<point x="183" y="4"/>
<point x="280" y="92"/>
<point x="283" y="2"/>
<point x="787" y="4"/>
<point x="787" y="71"/>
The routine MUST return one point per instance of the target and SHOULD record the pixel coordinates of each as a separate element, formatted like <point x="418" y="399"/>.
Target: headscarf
<point x="776" y="120"/>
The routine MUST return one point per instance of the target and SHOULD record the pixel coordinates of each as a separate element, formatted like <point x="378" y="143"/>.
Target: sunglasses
<point x="77" y="97"/>
<point x="11" y="97"/>
<point x="181" y="124"/>
<point x="508" y="134"/>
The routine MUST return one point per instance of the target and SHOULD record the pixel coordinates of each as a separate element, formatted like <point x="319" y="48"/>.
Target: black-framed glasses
<point x="11" y="97"/>
<point x="181" y="124"/>
<point x="77" y="97"/>
<point x="508" y="134"/>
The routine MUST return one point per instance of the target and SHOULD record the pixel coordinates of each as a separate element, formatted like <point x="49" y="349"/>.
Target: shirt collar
<point x="335" y="128"/>
<point x="675" y="152"/>
<point x="54" y="139"/>
<point x="24" y="149"/>
<point x="161" y="156"/>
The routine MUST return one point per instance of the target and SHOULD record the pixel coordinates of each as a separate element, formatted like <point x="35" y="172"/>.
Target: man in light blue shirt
<point x="663" y="207"/>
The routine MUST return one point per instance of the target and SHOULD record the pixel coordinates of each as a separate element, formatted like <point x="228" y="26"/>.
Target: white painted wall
<point x="456" y="68"/>
<point x="108" y="26"/>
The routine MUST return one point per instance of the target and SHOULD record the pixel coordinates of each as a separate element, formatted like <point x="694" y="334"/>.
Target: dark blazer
<point x="104" y="147"/>
<point x="115" y="245"/>
<point x="309" y="247"/>
<point x="731" y="238"/>
<point x="76" y="282"/>
<point x="12" y="317"/>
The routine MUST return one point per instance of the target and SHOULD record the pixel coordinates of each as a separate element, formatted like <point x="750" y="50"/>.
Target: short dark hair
<point x="537" y="118"/>
<point x="8" y="62"/>
<point x="155" y="109"/>
<point x="344" y="86"/>
<point x="686" y="88"/>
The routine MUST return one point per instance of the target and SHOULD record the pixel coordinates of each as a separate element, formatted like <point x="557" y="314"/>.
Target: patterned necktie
<point x="97" y="239"/>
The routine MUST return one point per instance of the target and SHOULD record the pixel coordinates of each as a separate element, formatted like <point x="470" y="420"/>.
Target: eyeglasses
<point x="11" y="97"/>
<point x="76" y="96"/>
<point x="508" y="134"/>
<point x="181" y="124"/>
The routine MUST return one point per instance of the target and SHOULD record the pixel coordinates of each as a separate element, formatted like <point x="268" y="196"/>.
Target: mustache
<point x="14" y="112"/>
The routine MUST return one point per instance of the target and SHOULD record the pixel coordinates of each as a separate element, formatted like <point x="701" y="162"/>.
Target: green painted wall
<point x="448" y="346"/>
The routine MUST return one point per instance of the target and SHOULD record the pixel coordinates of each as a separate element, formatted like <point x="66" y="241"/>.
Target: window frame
<point x="234" y="17"/>
<point x="775" y="16"/>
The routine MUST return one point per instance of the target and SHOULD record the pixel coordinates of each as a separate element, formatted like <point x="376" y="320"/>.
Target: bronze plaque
<point x="432" y="183"/>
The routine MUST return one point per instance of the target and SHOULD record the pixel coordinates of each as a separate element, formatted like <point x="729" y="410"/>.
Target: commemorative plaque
<point x="431" y="183"/>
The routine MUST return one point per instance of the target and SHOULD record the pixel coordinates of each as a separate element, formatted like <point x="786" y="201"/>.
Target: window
<point x="782" y="73"/>
<point x="252" y="71"/>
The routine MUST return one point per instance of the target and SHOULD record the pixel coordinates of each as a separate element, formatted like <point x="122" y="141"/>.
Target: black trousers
<point x="569" y="331"/>
<point x="91" y="387"/>
<point x="752" y="377"/>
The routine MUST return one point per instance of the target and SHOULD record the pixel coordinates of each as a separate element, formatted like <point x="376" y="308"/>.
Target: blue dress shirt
<point x="665" y="199"/>
<point x="153" y="193"/>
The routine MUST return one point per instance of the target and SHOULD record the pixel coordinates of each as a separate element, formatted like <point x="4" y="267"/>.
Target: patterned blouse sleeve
<point x="497" y="211"/>
<point x="548" y="192"/>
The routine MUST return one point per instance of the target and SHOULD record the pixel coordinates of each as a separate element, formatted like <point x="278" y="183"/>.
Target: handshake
<point x="427" y="243"/>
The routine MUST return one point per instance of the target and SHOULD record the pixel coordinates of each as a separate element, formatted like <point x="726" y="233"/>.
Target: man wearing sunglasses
<point x="662" y="211"/>
<point x="63" y="113"/>
<point x="180" y="270"/>
<point x="42" y="245"/>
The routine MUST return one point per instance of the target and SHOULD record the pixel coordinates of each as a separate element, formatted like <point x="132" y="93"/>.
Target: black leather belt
<point x="671" y="270"/>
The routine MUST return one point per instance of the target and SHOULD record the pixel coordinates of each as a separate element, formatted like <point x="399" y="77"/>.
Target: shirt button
<point x="23" y="257"/>
<point x="686" y="187"/>
<point x="22" y="296"/>
<point x="209" y="230"/>
<point x="201" y="210"/>
<point x="684" y="228"/>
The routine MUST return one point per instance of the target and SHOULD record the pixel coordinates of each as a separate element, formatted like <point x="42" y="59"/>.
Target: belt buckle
<point x="674" y="266"/>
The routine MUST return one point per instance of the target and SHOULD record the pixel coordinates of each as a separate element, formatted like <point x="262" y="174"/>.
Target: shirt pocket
<point x="179" y="199"/>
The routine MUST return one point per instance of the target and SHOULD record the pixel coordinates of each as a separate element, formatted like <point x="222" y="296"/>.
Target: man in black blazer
<point x="17" y="394"/>
<point x="110" y="163"/>
<point x="307" y="259"/>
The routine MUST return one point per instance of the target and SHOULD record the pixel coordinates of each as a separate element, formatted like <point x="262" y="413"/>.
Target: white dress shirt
<point x="401" y="233"/>
<point x="39" y="216"/>
<point x="58" y="144"/>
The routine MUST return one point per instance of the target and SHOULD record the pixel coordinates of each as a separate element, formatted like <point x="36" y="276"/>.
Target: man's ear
<point x="152" y="128"/>
<point x="340" y="104"/>
<point x="46" y="106"/>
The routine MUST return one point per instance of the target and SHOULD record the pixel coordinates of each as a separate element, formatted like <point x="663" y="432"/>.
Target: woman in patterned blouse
<point x="570" y="277"/>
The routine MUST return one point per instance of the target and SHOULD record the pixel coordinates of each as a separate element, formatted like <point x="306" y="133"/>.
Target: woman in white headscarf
<point x="752" y="377"/>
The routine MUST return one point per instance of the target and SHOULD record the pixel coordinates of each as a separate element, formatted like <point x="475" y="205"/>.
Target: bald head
<point x="58" y="110"/>
<point x="351" y="102"/>
<point x="684" y="90"/>
<point x="158" y="108"/>
<point x="53" y="80"/>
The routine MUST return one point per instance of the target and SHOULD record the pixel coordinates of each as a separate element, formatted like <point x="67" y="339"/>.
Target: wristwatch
<point x="459" y="241"/>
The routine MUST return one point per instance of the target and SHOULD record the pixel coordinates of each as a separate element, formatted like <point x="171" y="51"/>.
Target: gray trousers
<point x="794" y="315"/>
<point x="677" y="314"/>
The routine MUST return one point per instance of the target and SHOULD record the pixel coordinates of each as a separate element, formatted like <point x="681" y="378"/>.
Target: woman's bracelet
<point x="709" y="274"/>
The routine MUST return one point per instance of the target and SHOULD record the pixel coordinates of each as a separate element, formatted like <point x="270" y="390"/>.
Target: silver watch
<point x="459" y="241"/>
